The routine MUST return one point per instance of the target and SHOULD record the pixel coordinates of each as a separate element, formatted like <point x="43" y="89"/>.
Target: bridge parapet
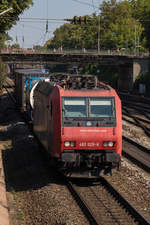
<point x="130" y="66"/>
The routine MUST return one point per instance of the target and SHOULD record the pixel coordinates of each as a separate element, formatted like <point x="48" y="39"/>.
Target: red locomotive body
<point x="79" y="123"/>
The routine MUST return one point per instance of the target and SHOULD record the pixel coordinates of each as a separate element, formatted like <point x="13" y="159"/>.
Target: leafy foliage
<point x="141" y="12"/>
<point x="8" y="19"/>
<point x="143" y="79"/>
<point x="120" y="25"/>
<point x="107" y="74"/>
<point x="74" y="36"/>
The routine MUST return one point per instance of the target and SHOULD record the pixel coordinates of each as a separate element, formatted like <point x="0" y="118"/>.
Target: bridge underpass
<point x="129" y="67"/>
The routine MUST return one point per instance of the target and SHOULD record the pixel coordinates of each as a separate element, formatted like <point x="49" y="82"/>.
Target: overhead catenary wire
<point x="85" y="3"/>
<point x="36" y="18"/>
<point x="94" y="6"/>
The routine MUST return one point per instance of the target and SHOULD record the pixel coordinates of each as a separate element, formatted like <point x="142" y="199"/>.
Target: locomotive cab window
<point x="75" y="107"/>
<point x="88" y="107"/>
<point x="101" y="107"/>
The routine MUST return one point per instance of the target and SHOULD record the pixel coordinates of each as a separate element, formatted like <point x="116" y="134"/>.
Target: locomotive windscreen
<point x="101" y="107"/>
<point x="75" y="107"/>
<point x="90" y="107"/>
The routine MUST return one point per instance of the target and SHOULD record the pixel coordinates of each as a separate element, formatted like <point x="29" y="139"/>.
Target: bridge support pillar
<point x="128" y="73"/>
<point x="125" y="80"/>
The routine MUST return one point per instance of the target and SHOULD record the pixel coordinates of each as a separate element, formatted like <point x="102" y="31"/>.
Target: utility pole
<point x="98" y="41"/>
<point x="135" y="38"/>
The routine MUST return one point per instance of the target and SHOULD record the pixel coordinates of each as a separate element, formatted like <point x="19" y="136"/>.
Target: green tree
<point x="76" y="36"/>
<point x="143" y="79"/>
<point x="141" y="12"/>
<point x="8" y="19"/>
<point x="118" y="25"/>
<point x="119" y="28"/>
<point x="16" y="45"/>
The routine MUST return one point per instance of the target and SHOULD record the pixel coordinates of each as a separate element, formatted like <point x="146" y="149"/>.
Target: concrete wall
<point x="128" y="73"/>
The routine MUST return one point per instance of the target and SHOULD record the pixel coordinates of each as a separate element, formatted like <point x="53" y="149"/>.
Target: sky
<point x="29" y="33"/>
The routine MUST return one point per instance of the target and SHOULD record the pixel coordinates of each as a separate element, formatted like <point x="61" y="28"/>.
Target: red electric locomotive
<point x="78" y="120"/>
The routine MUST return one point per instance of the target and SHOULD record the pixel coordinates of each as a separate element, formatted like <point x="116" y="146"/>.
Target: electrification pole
<point x="98" y="41"/>
<point x="135" y="38"/>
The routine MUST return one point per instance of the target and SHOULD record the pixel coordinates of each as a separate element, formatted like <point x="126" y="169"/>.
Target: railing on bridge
<point x="121" y="52"/>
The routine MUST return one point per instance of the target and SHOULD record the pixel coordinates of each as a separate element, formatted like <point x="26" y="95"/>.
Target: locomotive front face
<point x="89" y="132"/>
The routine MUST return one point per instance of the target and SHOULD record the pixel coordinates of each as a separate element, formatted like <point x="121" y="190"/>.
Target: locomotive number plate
<point x="89" y="144"/>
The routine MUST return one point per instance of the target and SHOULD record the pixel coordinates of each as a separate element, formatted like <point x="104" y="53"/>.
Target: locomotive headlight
<point x="72" y="144"/>
<point x="110" y="144"/>
<point x="105" y="143"/>
<point x="67" y="143"/>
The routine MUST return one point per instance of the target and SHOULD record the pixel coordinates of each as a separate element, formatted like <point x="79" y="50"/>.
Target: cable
<point x="23" y="21"/>
<point x="85" y="3"/>
<point x="37" y="43"/>
<point x="36" y="28"/>
<point x="93" y="6"/>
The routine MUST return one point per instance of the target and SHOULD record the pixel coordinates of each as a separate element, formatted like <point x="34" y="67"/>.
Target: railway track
<point x="94" y="199"/>
<point x="139" y="122"/>
<point x="138" y="115"/>
<point x="9" y="87"/>
<point x="100" y="205"/>
<point x="137" y="106"/>
<point x="136" y="118"/>
<point x="134" y="98"/>
<point x="136" y="153"/>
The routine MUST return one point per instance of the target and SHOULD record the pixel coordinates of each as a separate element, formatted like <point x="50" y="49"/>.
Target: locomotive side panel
<point x="47" y="119"/>
<point x="40" y="119"/>
<point x="118" y="129"/>
<point x="19" y="90"/>
<point x="54" y="124"/>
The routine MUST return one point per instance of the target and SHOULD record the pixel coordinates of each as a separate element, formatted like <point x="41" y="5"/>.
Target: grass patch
<point x="14" y="193"/>
<point x="20" y="215"/>
<point x="7" y="145"/>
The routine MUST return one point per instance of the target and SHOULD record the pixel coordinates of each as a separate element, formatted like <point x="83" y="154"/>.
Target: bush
<point x="143" y="79"/>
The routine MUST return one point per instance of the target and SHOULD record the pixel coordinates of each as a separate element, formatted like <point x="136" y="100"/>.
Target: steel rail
<point x="132" y="210"/>
<point x="137" y="118"/>
<point x="10" y="95"/>
<point x="138" y="124"/>
<point x="132" y="157"/>
<point x="141" y="147"/>
<point x="82" y="204"/>
<point x="138" y="108"/>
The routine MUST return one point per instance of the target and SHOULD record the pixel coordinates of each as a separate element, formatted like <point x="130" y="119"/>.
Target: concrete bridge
<point x="130" y="66"/>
